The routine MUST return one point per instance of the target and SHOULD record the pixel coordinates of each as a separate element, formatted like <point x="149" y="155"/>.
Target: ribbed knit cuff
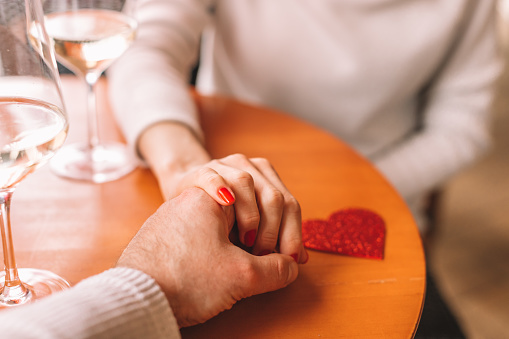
<point x="118" y="303"/>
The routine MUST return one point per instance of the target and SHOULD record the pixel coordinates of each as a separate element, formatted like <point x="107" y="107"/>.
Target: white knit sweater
<point x="408" y="84"/>
<point x="119" y="303"/>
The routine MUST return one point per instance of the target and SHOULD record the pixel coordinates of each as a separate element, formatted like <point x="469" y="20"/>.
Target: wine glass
<point x="88" y="36"/>
<point x="33" y="125"/>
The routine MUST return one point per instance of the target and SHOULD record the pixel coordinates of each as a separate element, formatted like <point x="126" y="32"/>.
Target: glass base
<point x="103" y="163"/>
<point x="40" y="283"/>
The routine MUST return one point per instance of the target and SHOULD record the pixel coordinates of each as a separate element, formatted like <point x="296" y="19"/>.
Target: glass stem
<point x="92" y="116"/>
<point x="13" y="291"/>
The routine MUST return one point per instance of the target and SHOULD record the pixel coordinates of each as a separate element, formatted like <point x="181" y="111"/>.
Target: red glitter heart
<point x="353" y="232"/>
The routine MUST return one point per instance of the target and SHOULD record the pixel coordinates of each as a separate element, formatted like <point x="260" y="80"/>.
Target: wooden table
<point x="78" y="229"/>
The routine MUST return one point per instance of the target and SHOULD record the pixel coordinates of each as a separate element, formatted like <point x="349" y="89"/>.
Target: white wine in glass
<point x="33" y="126"/>
<point x="88" y="36"/>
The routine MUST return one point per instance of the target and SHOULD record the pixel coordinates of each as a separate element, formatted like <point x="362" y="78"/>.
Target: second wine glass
<point x="88" y="36"/>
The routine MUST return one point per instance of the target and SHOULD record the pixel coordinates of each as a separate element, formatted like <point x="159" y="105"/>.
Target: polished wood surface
<point x="78" y="229"/>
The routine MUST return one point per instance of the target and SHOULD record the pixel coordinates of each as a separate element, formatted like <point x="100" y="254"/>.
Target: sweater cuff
<point x="118" y="303"/>
<point x="133" y="305"/>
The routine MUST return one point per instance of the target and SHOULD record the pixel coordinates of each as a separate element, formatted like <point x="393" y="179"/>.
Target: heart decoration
<point x="353" y="232"/>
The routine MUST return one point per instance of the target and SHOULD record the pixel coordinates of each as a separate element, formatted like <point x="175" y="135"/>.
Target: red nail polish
<point x="225" y="194"/>
<point x="307" y="257"/>
<point x="295" y="257"/>
<point x="262" y="253"/>
<point x="249" y="238"/>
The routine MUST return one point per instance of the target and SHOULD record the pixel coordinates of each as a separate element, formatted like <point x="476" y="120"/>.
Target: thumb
<point x="275" y="271"/>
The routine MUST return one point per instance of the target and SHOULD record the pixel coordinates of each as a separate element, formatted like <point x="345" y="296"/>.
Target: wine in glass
<point x="33" y="125"/>
<point x="88" y="36"/>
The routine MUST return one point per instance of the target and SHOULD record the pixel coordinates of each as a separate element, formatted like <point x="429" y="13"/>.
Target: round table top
<point x="78" y="229"/>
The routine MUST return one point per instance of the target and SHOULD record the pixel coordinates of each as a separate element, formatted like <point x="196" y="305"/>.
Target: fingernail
<point x="306" y="257"/>
<point x="295" y="257"/>
<point x="262" y="253"/>
<point x="249" y="238"/>
<point x="226" y="195"/>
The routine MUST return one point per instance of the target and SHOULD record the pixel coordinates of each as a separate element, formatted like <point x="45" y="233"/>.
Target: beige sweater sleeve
<point x="456" y="110"/>
<point x="150" y="82"/>
<point x="119" y="303"/>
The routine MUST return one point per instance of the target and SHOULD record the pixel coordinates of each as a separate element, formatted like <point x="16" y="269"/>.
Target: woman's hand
<point x="268" y="217"/>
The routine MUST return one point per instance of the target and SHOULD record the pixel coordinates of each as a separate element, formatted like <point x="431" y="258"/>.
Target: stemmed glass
<point x="33" y="125"/>
<point x="89" y="35"/>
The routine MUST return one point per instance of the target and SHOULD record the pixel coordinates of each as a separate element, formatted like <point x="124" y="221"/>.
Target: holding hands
<point x="184" y="246"/>
<point x="267" y="215"/>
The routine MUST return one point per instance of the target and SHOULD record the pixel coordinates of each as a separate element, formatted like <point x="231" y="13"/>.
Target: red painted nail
<point x="307" y="257"/>
<point x="225" y="194"/>
<point x="295" y="257"/>
<point x="249" y="238"/>
<point x="262" y="253"/>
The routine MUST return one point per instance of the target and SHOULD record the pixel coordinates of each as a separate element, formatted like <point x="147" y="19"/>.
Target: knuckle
<point x="238" y="158"/>
<point x="292" y="205"/>
<point x="274" y="197"/>
<point x="276" y="268"/>
<point x="249" y="273"/>
<point x="264" y="165"/>
<point x="293" y="241"/>
<point x="214" y="162"/>
<point x="250" y="220"/>
<point x="208" y="175"/>
<point x="263" y="162"/>
<point x="243" y="179"/>
<point x="268" y="237"/>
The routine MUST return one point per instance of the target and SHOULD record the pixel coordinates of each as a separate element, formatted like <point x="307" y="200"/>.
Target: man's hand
<point x="185" y="247"/>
